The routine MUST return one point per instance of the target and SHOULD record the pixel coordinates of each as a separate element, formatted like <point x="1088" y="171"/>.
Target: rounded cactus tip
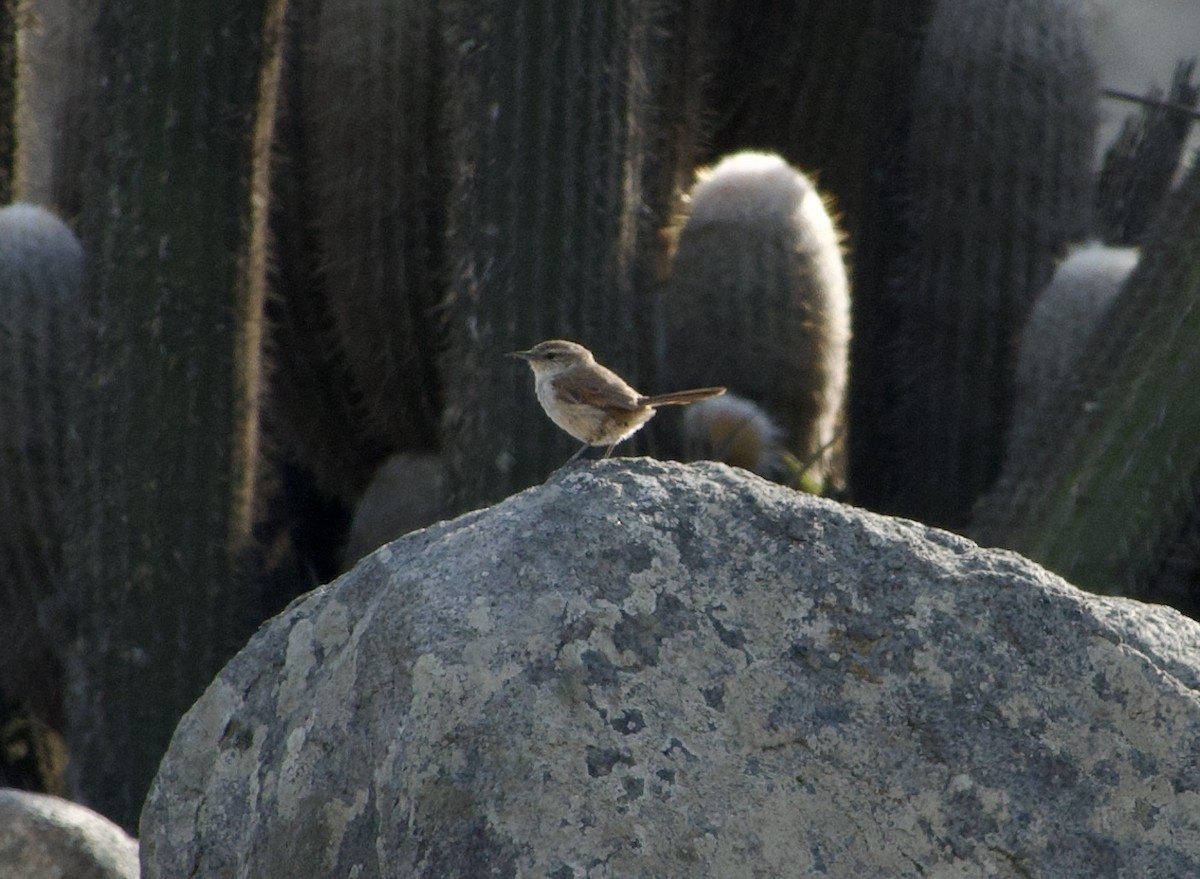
<point x="1083" y="286"/>
<point x="755" y="188"/>
<point x="29" y="229"/>
<point x="734" y="430"/>
<point x="1067" y="312"/>
<point x="1094" y="259"/>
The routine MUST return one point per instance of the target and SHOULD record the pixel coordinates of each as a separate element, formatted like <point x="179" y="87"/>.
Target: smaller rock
<point x="45" y="837"/>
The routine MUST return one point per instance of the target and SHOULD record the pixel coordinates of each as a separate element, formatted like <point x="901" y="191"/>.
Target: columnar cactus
<point x="41" y="324"/>
<point x="173" y="222"/>
<point x="827" y="85"/>
<point x="559" y="119"/>
<point x="371" y="80"/>
<point x="1142" y="163"/>
<point x="812" y="80"/>
<point x="315" y="412"/>
<point x="999" y="176"/>
<point x="758" y="299"/>
<point x="1118" y="485"/>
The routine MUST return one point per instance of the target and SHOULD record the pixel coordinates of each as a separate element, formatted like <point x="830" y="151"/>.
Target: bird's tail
<point x="681" y="398"/>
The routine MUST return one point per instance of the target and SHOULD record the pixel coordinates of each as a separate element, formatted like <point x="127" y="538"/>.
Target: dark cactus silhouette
<point x="998" y="179"/>
<point x="356" y="225"/>
<point x="1141" y="164"/>
<point x="1117" y="489"/>
<point x="166" y="452"/>
<point x="370" y="83"/>
<point x="313" y="414"/>
<point x="42" y="312"/>
<point x="758" y="300"/>
<point x="554" y="112"/>
<point x="816" y="81"/>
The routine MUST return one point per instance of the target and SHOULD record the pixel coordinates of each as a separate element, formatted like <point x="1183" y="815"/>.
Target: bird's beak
<point x="520" y="355"/>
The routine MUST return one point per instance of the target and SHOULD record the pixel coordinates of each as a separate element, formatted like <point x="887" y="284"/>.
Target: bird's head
<point x="554" y="356"/>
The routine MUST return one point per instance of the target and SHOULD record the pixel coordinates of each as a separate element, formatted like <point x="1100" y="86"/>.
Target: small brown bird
<point x="590" y="402"/>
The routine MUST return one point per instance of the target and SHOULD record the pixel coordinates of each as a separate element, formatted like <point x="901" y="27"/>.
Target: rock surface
<point x="647" y="669"/>
<point x="44" y="837"/>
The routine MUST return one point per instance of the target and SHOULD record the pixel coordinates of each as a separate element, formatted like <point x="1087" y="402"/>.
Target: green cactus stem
<point x="41" y="324"/>
<point x="1061" y="324"/>
<point x="174" y="225"/>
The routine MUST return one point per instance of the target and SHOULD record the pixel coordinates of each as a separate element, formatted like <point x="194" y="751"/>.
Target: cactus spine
<point x="41" y="324"/>
<point x="999" y="160"/>
<point x="173" y="225"/>
<point x="758" y="299"/>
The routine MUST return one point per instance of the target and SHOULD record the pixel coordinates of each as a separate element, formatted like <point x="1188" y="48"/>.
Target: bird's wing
<point x="594" y="388"/>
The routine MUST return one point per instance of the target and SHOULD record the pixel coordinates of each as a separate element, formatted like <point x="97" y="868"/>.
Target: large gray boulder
<point x="647" y="669"/>
<point x="45" y="837"/>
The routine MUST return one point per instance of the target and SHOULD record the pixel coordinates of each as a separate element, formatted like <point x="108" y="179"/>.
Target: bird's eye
<point x="550" y="355"/>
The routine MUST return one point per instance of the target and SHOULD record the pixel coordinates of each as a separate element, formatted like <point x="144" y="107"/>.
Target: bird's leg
<point x="608" y="451"/>
<point x="571" y="460"/>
